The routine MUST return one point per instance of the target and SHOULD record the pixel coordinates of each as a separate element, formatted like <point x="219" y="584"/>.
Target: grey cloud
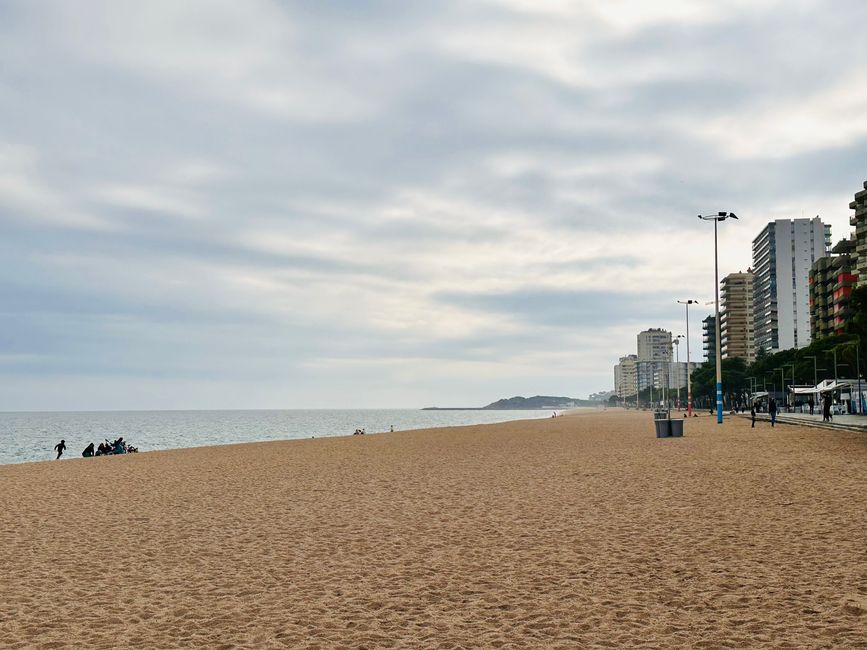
<point x="619" y="153"/>
<point x="569" y="308"/>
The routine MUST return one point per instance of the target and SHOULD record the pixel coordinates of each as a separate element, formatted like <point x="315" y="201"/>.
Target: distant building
<point x="654" y="357"/>
<point x="783" y="253"/>
<point x="677" y="373"/>
<point x="736" y="316"/>
<point x="708" y="338"/>
<point x="832" y="279"/>
<point x="654" y="344"/>
<point x="859" y="220"/>
<point x="625" y="377"/>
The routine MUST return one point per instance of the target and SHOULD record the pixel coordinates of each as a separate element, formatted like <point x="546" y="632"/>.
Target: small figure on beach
<point x="826" y="408"/>
<point x="88" y="451"/>
<point x="772" y="410"/>
<point x="60" y="447"/>
<point x="810" y="404"/>
<point x="392" y="428"/>
<point x="753" y="415"/>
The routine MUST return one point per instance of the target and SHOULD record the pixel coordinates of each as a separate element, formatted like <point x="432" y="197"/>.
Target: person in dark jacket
<point x="826" y="408"/>
<point x="772" y="410"/>
<point x="753" y="415"/>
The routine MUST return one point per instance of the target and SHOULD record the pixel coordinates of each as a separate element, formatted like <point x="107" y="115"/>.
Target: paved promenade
<point x="850" y="422"/>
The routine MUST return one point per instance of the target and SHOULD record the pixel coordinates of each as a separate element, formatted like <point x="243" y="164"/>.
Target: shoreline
<point x="31" y="437"/>
<point x="554" y="532"/>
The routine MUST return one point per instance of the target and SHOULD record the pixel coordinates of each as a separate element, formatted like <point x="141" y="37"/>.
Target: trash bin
<point x="663" y="428"/>
<point x="676" y="428"/>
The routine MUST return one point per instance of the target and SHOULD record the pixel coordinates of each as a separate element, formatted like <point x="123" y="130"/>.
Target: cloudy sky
<point x="256" y="204"/>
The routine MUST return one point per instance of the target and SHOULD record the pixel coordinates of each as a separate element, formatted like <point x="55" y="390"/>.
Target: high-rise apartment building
<point x="736" y="316"/>
<point x="832" y="279"/>
<point x="625" y="377"/>
<point x="708" y="338"/>
<point x="654" y="358"/>
<point x="783" y="253"/>
<point x="859" y="220"/>
<point x="654" y="344"/>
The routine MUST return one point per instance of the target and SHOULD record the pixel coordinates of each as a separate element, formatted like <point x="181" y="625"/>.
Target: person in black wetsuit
<point x="88" y="451"/>
<point x="60" y="447"/>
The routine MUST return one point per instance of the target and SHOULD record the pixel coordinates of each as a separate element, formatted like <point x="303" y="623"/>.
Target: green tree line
<point x="803" y="366"/>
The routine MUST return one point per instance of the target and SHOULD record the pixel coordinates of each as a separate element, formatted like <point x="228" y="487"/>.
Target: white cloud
<point x="345" y="195"/>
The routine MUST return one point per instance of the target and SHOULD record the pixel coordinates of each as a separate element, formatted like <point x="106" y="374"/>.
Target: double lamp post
<point x="719" y="216"/>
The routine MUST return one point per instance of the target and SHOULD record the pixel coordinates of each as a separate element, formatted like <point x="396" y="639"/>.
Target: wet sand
<point x="583" y="531"/>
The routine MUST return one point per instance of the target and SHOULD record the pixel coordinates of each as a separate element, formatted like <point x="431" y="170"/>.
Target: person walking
<point x="810" y="402"/>
<point x="826" y="407"/>
<point x="60" y="447"/>
<point x="772" y="410"/>
<point x="753" y="415"/>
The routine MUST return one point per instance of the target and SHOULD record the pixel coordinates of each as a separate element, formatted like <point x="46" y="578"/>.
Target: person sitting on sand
<point x="60" y="447"/>
<point x="88" y="451"/>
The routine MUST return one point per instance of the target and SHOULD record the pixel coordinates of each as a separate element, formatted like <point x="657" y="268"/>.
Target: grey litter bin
<point x="663" y="428"/>
<point x="676" y="428"/>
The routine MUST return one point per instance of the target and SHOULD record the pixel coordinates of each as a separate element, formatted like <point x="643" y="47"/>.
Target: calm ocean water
<point x="31" y="436"/>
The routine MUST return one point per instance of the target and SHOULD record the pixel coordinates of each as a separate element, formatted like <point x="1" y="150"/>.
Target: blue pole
<point x="719" y="402"/>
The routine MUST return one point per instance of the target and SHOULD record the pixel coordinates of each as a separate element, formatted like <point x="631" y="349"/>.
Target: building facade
<point x="832" y="279"/>
<point x="677" y="373"/>
<point x="625" y="377"/>
<point x="783" y="253"/>
<point x="654" y="344"/>
<point x="654" y="358"/>
<point x="736" y="316"/>
<point x="708" y="338"/>
<point x="859" y="221"/>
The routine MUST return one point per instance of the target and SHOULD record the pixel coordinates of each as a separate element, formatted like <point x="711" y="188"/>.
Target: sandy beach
<point x="582" y="531"/>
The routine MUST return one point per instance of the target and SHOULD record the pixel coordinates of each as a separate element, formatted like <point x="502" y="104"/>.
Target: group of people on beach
<point x="361" y="432"/>
<point x="827" y="401"/>
<point x="119" y="446"/>
<point x="772" y="411"/>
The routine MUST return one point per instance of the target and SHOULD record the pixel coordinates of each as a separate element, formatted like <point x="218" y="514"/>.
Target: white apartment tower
<point x="783" y="253"/>
<point x="654" y="357"/>
<point x="654" y="344"/>
<point x="625" y="378"/>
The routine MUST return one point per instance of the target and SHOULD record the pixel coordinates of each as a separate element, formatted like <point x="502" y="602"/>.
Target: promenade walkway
<point x="848" y="422"/>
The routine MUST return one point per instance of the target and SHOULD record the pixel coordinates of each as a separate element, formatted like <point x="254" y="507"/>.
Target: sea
<point x="31" y="436"/>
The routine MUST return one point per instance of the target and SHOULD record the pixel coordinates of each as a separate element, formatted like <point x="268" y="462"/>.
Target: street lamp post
<point x="792" y="365"/>
<point x="783" y="385"/>
<point x="676" y="342"/>
<point x="719" y="216"/>
<point x="858" y="375"/>
<point x="815" y="370"/>
<point x="687" y="303"/>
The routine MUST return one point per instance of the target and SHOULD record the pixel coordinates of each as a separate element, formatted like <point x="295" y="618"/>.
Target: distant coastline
<point x="535" y="403"/>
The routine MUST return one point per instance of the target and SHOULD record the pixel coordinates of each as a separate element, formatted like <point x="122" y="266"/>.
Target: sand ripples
<point x="579" y="532"/>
